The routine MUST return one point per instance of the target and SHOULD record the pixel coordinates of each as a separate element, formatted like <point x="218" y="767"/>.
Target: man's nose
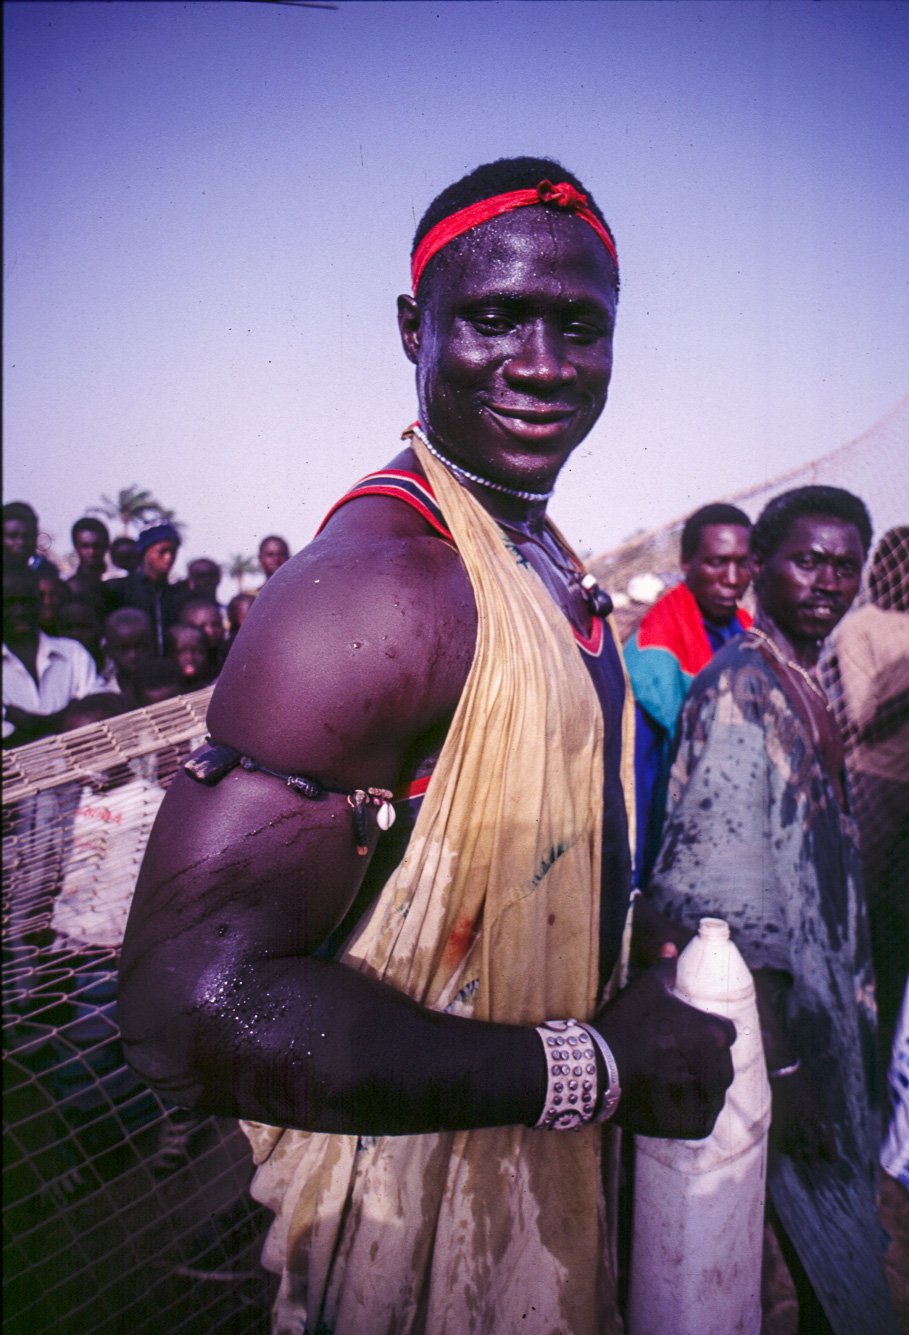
<point x="541" y="359"/>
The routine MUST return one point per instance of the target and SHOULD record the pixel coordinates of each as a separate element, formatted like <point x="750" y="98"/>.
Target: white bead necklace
<point x="481" y="481"/>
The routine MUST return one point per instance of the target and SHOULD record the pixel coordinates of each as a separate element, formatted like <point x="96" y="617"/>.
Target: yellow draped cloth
<point x="493" y="912"/>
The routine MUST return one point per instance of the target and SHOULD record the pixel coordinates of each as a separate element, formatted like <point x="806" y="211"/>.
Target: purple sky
<point x="209" y="208"/>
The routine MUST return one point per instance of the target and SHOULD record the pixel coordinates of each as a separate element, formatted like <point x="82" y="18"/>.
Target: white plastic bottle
<point x="699" y="1204"/>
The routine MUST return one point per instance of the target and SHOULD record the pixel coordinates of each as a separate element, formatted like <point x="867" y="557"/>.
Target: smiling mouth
<point x="534" y="416"/>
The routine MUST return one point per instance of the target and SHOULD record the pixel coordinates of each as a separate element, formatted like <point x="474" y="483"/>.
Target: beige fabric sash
<point x="493" y="912"/>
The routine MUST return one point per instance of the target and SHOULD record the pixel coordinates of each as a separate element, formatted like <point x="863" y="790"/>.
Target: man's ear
<point x="409" y="325"/>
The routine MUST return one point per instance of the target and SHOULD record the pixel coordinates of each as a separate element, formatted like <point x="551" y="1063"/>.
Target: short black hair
<point x="778" y="516"/>
<point x="718" y="513"/>
<point x="498" y="178"/>
<point x="88" y="525"/>
<point x="126" y="618"/>
<point x="274" y="537"/>
<point x="20" y="510"/>
<point x="888" y="580"/>
<point x="199" y="600"/>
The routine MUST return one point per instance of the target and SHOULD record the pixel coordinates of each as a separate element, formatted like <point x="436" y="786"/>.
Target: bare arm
<point x="348" y="661"/>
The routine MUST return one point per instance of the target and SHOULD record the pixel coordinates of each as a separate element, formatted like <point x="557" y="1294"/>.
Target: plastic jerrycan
<point x="698" y="1221"/>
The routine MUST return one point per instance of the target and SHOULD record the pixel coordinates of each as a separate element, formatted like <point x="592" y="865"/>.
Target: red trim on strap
<point x="593" y="643"/>
<point x="561" y="196"/>
<point x="415" y="789"/>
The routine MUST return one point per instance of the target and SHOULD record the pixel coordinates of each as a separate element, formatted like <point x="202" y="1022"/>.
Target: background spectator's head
<point x="807" y="550"/>
<point x="206" y="614"/>
<point x="21" y="601"/>
<point x="93" y="709"/>
<point x="157" y="547"/>
<point x="237" y="609"/>
<point x="53" y="593"/>
<point x="80" y="619"/>
<point x="888" y="579"/>
<point x="128" y="642"/>
<point x="273" y="552"/>
<point x="204" y="576"/>
<point x="20" y="533"/>
<point x="188" y="648"/>
<point x="715" y="560"/>
<point x="156" y="680"/>
<point x="91" y="541"/>
<point x="124" y="554"/>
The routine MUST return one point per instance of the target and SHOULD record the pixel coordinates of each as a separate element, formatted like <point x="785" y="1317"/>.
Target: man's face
<point x="91" y="549"/>
<point x="272" y="556"/>
<point x="20" y="610"/>
<point x="128" y="648"/>
<point x="512" y="340"/>
<point x="51" y="593"/>
<point x="717" y="574"/>
<point x="158" y="560"/>
<point x="20" y="539"/>
<point x="204" y="577"/>
<point x="208" y="620"/>
<point x="808" y="584"/>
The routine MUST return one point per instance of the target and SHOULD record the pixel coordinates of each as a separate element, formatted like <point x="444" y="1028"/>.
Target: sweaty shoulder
<point x="353" y="650"/>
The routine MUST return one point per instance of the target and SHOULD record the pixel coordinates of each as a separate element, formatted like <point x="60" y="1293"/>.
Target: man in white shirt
<point x="41" y="673"/>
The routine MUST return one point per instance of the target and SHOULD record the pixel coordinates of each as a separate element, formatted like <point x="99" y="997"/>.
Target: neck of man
<point x="803" y="652"/>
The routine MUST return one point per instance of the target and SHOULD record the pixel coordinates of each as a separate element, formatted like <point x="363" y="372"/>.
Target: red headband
<point x="563" y="196"/>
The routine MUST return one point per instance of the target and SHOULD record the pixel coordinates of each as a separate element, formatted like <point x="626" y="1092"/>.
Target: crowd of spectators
<point x="118" y="626"/>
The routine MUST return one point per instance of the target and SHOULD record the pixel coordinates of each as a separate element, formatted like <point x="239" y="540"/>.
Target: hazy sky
<point x="209" y="209"/>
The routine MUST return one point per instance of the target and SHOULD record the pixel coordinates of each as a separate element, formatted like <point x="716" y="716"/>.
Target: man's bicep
<point x="248" y="867"/>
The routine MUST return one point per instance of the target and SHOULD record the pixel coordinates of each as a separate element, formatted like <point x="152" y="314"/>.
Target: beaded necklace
<point x="481" y="481"/>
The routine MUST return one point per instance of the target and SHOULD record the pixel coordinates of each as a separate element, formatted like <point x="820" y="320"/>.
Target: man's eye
<point x="805" y="562"/>
<point x="580" y="331"/>
<point x="492" y="324"/>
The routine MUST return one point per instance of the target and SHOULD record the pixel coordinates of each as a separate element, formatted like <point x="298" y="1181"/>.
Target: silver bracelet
<point x="785" y="1070"/>
<point x="571" y="1076"/>
<point x="613" y="1091"/>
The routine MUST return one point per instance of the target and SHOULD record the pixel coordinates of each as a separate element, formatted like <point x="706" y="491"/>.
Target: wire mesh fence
<point x="120" y="1211"/>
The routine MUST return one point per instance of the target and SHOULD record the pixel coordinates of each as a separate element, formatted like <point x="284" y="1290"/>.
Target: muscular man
<point x="757" y="832"/>
<point x="675" y="639"/>
<point x="383" y="988"/>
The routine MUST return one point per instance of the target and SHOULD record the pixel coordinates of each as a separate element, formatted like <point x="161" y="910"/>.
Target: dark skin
<point x="803" y="590"/>
<point x="349" y="669"/>
<point x="717" y="573"/>
<point x="20" y="635"/>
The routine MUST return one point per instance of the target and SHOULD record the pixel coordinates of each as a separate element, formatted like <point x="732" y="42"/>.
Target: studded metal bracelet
<point x="571" y="1076"/>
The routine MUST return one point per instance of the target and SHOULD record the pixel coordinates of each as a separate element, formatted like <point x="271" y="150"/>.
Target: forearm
<point x="313" y="1044"/>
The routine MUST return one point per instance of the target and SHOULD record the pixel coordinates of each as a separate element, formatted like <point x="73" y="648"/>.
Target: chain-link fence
<point x="120" y="1211"/>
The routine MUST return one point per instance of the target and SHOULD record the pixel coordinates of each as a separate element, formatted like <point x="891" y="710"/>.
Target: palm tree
<point x="239" y="566"/>
<point x="133" y="506"/>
